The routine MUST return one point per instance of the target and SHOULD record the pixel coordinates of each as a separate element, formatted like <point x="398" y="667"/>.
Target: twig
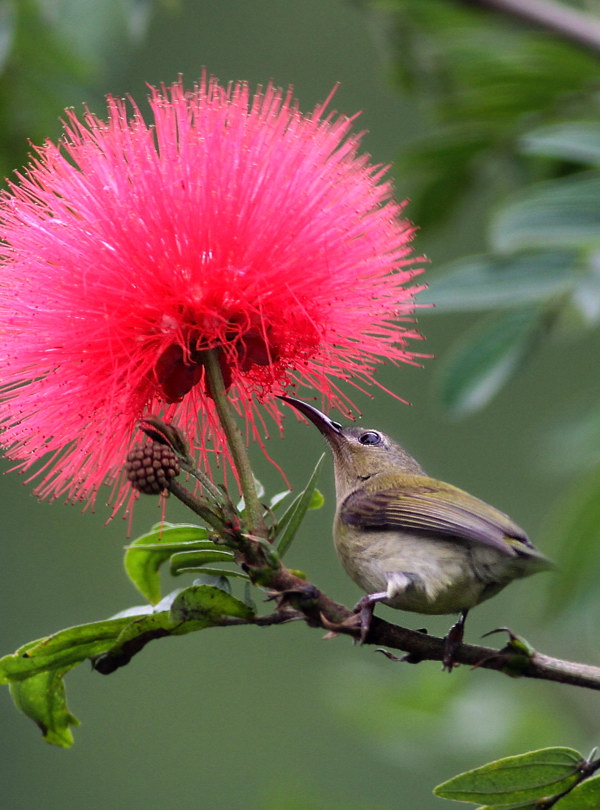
<point x="567" y="22"/>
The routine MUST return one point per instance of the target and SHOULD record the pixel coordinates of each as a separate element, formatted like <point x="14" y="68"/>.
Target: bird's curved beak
<point x="327" y="426"/>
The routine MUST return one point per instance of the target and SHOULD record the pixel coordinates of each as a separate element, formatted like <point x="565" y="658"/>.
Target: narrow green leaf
<point x="522" y="778"/>
<point x="290" y="521"/>
<point x="577" y="141"/>
<point x="229" y="573"/>
<point x="485" y="360"/>
<point x="189" y="560"/>
<point x="144" y="557"/>
<point x="563" y="212"/>
<point x="574" y="532"/>
<point x="585" y="796"/>
<point x="42" y="698"/>
<point x="491" y="282"/>
<point x="206" y="606"/>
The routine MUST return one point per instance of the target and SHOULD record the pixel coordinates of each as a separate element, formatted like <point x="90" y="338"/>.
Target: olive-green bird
<point x="410" y="541"/>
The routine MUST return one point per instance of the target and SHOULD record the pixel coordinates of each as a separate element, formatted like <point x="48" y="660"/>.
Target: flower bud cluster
<point x="150" y="467"/>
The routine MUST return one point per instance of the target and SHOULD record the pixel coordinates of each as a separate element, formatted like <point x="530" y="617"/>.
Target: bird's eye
<point x="370" y="437"/>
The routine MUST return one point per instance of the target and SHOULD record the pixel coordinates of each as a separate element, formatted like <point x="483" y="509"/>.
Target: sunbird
<point x="410" y="541"/>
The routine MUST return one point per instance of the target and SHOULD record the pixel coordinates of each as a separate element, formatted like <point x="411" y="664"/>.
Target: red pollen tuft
<point x="229" y="221"/>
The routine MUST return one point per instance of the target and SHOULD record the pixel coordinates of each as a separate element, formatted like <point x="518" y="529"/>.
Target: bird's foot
<point x="350" y="625"/>
<point x="358" y="623"/>
<point x="453" y="641"/>
<point x="364" y="611"/>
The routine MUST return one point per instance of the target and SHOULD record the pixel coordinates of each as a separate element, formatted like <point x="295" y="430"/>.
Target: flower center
<point x="180" y="367"/>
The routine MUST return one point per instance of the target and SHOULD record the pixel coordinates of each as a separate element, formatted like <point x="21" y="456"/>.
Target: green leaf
<point x="189" y="560"/>
<point x="441" y="167"/>
<point x="523" y="778"/>
<point x="144" y="557"/>
<point x="35" y="672"/>
<point x="205" y="606"/>
<point x="486" y="358"/>
<point x="229" y="573"/>
<point x="563" y="212"/>
<point x="132" y="639"/>
<point x="585" y="796"/>
<point x="61" y="650"/>
<point x="291" y="519"/>
<point x="577" y="141"/>
<point x="42" y="698"/>
<point x="186" y="611"/>
<point x="490" y="282"/>
<point x="574" y="534"/>
<point x="574" y="439"/>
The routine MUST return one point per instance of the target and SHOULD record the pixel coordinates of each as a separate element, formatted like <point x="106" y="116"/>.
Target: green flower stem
<point x="200" y="508"/>
<point x="217" y="495"/>
<point x="235" y="441"/>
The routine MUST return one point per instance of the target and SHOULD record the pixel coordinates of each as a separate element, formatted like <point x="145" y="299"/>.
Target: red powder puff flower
<point x="232" y="222"/>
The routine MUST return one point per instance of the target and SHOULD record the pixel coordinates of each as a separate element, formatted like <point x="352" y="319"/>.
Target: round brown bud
<point x="150" y="467"/>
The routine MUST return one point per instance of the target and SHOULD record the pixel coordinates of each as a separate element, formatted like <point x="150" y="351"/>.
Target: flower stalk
<point x="235" y="442"/>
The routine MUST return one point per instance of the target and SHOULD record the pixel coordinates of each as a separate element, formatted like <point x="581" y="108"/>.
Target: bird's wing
<point x="435" y="509"/>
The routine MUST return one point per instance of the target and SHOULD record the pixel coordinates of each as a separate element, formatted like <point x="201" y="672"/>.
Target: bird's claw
<point x="364" y="610"/>
<point x="452" y="642"/>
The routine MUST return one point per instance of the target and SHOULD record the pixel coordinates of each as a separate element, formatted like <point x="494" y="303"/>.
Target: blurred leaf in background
<point x="55" y="51"/>
<point x="482" y="80"/>
<point x="513" y="109"/>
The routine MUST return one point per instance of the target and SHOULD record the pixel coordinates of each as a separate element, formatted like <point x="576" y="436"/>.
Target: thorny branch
<point x="318" y="610"/>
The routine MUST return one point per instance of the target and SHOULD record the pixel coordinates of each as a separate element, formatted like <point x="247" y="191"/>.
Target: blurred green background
<point x="278" y="718"/>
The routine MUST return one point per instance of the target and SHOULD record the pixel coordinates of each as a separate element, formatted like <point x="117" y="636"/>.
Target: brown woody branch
<point x="296" y="598"/>
<point x="515" y="660"/>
